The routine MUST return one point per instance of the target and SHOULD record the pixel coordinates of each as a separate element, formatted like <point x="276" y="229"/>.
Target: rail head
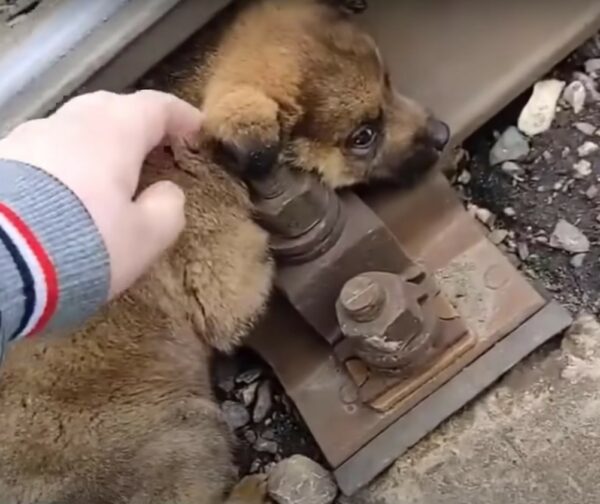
<point x="65" y="45"/>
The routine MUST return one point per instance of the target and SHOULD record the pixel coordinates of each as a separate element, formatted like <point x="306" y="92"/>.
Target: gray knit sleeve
<point x="54" y="267"/>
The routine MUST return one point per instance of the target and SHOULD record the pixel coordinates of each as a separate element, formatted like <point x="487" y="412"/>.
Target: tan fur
<point x="122" y="410"/>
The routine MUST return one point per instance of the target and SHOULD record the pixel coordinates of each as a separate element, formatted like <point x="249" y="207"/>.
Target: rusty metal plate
<point x="488" y="292"/>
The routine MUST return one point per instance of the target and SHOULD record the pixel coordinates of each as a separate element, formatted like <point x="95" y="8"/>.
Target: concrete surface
<point x="533" y="438"/>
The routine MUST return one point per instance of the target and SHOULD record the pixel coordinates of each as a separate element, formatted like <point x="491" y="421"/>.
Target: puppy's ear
<point x="245" y="123"/>
<point x="349" y="6"/>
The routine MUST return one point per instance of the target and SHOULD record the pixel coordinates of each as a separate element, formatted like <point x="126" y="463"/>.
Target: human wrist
<point x="55" y="270"/>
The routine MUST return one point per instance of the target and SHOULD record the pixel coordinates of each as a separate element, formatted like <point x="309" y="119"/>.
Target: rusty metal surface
<point x="467" y="59"/>
<point x="488" y="292"/>
<point x="408" y="430"/>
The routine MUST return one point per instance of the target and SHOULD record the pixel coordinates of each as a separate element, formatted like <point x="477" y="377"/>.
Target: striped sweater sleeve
<point x="54" y="268"/>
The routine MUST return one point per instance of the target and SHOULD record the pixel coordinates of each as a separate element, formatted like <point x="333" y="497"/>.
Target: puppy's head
<point x="355" y="126"/>
<point x="298" y="82"/>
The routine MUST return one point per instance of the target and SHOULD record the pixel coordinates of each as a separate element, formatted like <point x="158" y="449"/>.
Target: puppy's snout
<point x="438" y="133"/>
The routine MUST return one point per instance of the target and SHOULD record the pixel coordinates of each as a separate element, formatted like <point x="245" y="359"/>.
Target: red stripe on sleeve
<point x="50" y="277"/>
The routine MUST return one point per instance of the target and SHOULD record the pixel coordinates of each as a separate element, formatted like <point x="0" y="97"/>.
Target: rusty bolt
<point x="393" y="329"/>
<point x="363" y="298"/>
<point x="299" y="204"/>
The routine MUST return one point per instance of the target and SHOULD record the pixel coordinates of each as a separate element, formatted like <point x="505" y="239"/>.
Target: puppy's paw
<point x="245" y="123"/>
<point x="250" y="490"/>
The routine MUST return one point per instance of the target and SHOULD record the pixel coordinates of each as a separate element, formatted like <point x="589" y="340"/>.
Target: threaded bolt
<point x="362" y="298"/>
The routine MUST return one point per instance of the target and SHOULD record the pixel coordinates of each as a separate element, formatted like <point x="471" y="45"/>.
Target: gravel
<point x="510" y="146"/>
<point x="538" y="114"/>
<point x="299" y="480"/>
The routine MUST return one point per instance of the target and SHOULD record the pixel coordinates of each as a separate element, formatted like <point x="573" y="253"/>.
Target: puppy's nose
<point x="438" y="133"/>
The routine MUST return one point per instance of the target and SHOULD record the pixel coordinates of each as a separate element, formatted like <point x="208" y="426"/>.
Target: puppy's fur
<point x="122" y="410"/>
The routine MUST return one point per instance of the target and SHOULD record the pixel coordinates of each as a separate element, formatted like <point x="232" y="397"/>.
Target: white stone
<point x="577" y="260"/>
<point x="568" y="237"/>
<point x="585" y="128"/>
<point x="582" y="169"/>
<point x="510" y="146"/>
<point x="587" y="148"/>
<point x="299" y="480"/>
<point x="592" y="66"/>
<point x="513" y="169"/>
<point x="537" y="116"/>
<point x="498" y="236"/>
<point x="575" y="95"/>
<point x="590" y="85"/>
<point x="483" y="215"/>
<point x="464" y="178"/>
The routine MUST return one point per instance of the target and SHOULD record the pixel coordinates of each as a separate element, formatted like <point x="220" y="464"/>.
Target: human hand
<point x="96" y="145"/>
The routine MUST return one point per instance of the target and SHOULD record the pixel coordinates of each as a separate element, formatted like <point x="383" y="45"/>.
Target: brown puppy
<point x="122" y="410"/>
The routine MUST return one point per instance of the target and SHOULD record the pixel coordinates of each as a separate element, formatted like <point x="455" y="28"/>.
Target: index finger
<point x="161" y="115"/>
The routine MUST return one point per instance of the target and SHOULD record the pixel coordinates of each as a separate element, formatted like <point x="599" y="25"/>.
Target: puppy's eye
<point x="363" y="138"/>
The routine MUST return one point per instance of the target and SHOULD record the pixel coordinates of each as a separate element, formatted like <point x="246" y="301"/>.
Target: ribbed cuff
<point x="54" y="267"/>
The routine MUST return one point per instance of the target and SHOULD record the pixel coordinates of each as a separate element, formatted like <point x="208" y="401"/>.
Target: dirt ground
<point x="549" y="189"/>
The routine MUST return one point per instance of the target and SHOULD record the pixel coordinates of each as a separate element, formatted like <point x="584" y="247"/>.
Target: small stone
<point x="565" y="152"/>
<point x="592" y="192"/>
<point x="568" y="237"/>
<point x="265" y="446"/>
<point x="590" y="85"/>
<point x="299" y="480"/>
<point x="575" y="95"/>
<point x="268" y="434"/>
<point x="537" y="116"/>
<point x="464" y="178"/>
<point x="269" y="467"/>
<point x="250" y="436"/>
<point x="582" y="169"/>
<point x="523" y="251"/>
<point x="235" y="414"/>
<point x="226" y="384"/>
<point x="511" y="146"/>
<point x="585" y="128"/>
<point x="510" y="212"/>
<point x="498" y="236"/>
<point x="248" y="394"/>
<point x="577" y="260"/>
<point x="587" y="148"/>
<point x="547" y="155"/>
<point x="250" y="376"/>
<point x="598" y="218"/>
<point x="225" y="371"/>
<point x="255" y="467"/>
<point x="558" y="186"/>
<point x="483" y="215"/>
<point x="592" y="66"/>
<point x="513" y="169"/>
<point x="264" y="402"/>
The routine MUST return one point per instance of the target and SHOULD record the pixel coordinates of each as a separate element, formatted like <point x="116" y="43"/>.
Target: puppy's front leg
<point x="246" y="123"/>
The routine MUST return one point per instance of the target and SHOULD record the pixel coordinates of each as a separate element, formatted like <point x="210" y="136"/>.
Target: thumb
<point x="161" y="217"/>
